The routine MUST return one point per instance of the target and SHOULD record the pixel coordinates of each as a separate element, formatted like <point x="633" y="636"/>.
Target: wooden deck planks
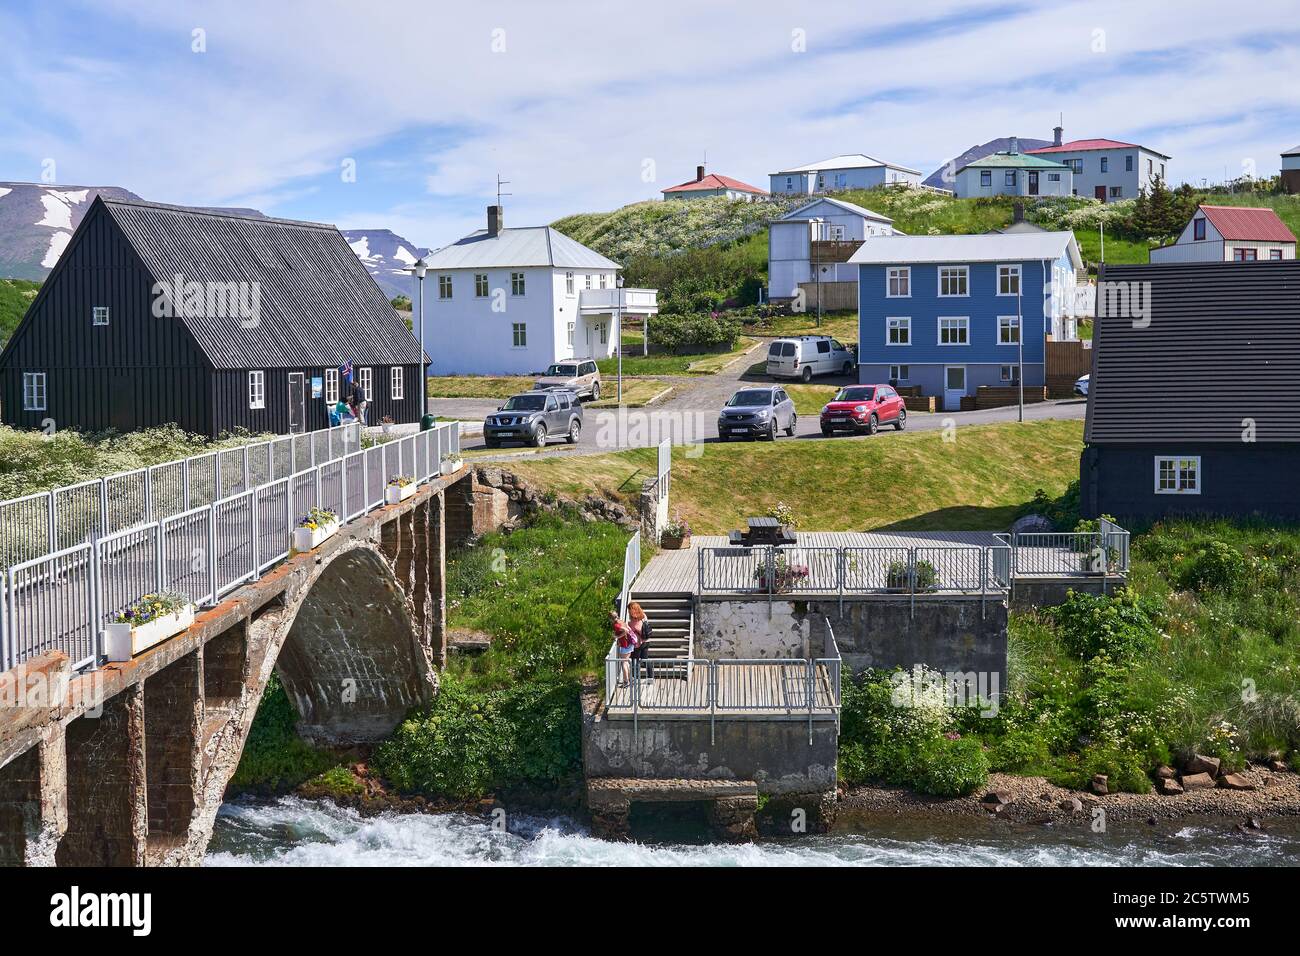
<point x="748" y="689"/>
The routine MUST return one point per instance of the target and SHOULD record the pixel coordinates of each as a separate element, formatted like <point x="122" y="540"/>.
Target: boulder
<point x="1235" y="781"/>
<point x="1072" y="805"/>
<point x="1278" y="766"/>
<point x="996" y="798"/>
<point x="1100" y="784"/>
<point x="1203" y="764"/>
<point x="1165" y="772"/>
<point x="1168" y="786"/>
<point x="1030" y="524"/>
<point x="1197" y="781"/>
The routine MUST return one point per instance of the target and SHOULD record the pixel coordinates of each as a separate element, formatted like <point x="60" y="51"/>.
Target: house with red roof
<point x="1230" y="234"/>
<point x="1107" y="169"/>
<point x="705" y="186"/>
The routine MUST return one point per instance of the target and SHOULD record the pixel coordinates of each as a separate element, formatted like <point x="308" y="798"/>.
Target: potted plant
<point x="676" y="535"/>
<point x="399" y="488"/>
<point x="313" y="528"/>
<point x="153" y="618"/>
<point x="900" y="576"/>
<point x="451" y="462"/>
<point x="785" y="574"/>
<point x="386" y="423"/>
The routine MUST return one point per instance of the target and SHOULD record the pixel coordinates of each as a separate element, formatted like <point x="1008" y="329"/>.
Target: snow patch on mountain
<point x="386" y="256"/>
<point x="58" y="242"/>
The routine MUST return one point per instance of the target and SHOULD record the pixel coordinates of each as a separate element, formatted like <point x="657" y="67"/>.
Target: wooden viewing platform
<point x="744" y="689"/>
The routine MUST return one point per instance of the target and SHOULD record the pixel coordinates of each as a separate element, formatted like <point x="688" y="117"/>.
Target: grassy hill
<point x="15" y="296"/>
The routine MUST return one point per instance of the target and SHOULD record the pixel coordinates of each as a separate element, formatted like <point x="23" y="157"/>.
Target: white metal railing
<point x="62" y="600"/>
<point x="664" y="467"/>
<point x="631" y="568"/>
<point x="1071" y="554"/>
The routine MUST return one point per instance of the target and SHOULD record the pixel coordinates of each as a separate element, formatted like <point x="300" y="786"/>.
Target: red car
<point x="864" y="408"/>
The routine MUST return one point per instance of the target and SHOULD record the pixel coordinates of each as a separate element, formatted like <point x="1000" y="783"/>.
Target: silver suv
<point x="535" y="417"/>
<point x="580" y="376"/>
<point x="757" y="413"/>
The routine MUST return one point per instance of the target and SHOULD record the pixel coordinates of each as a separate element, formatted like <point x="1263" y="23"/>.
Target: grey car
<point x="757" y="413"/>
<point x="535" y="417"/>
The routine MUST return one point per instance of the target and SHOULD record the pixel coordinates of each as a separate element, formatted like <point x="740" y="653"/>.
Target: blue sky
<point x="574" y="102"/>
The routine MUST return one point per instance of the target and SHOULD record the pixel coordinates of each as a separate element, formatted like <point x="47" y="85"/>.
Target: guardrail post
<point x="246" y="477"/>
<point x="212" y="553"/>
<point x="53" y="521"/>
<point x="711" y="689"/>
<point x="96" y="612"/>
<point x="840" y="575"/>
<point x="257" y="564"/>
<point x="103" y="507"/>
<point x="911" y="578"/>
<point x="160" y="574"/>
<point x="185" y="484"/>
<point x="984" y="572"/>
<point x="811" y="685"/>
<point x="148" y="494"/>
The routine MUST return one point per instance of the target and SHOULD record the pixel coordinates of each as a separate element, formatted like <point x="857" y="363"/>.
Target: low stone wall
<point x="1049" y="592"/>
<point x="491" y="499"/>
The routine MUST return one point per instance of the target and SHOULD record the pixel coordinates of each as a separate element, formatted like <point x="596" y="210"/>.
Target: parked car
<point x="535" y="417"/>
<point x="1081" y="386"/>
<point x="580" y="376"/>
<point x="757" y="413"/>
<point x="864" y="408"/>
<point x="807" y="356"/>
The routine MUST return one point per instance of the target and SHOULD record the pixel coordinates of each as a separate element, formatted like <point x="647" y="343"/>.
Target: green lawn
<point x="479" y="386"/>
<point x="704" y="363"/>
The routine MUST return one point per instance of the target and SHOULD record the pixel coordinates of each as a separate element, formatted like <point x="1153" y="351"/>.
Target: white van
<point x="807" y="356"/>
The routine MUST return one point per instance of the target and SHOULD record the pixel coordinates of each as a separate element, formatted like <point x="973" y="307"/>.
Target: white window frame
<point x="586" y="280"/>
<point x="902" y="273"/>
<point x="332" y="386"/>
<point x="366" y="379"/>
<point x="570" y="330"/>
<point x="257" y="389"/>
<point x="568" y="287"/>
<point x="99" y="315"/>
<point x="900" y="323"/>
<point x="482" y="287"/>
<point x="445" y="287"/>
<point x="1007" y="270"/>
<point x="35" y="392"/>
<point x="964" y="326"/>
<point x="961" y="273"/>
<point x="519" y="335"/>
<point x="1007" y="373"/>
<point x="603" y="329"/>
<point x="1179" y="473"/>
<point x="518" y="284"/>
<point x="396" y="386"/>
<point x="1008" y="322"/>
<point x="896" y="373"/>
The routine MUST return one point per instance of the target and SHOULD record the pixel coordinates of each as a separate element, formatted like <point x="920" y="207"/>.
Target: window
<point x="954" y="331"/>
<point x="1244" y="255"/>
<point x="898" y="373"/>
<point x="1116" y="192"/>
<point x="986" y="178"/>
<point x="397" y="391"/>
<point x="99" y="315"/>
<point x="1128" y="164"/>
<point x="257" y="390"/>
<point x="603" y="280"/>
<point x="1008" y="329"/>
<point x="1010" y="373"/>
<point x="34" y="391"/>
<point x="570" y="337"/>
<point x="900" y="282"/>
<point x="568" y="289"/>
<point x="365" y="378"/>
<point x="1105" y="164"/>
<point x="603" y="329"/>
<point x="1162" y="170"/>
<point x="1008" y="280"/>
<point x="586" y="280"/>
<point x="1178" y="476"/>
<point x="519" y="331"/>
<point x="900" y="331"/>
<point x="1198" y="228"/>
<point x="1053" y="177"/>
<point x="332" y="386"/>
<point x="481" y="285"/>
<point x="1009" y="178"/>
<point x="444" y="287"/>
<point x="1151" y="167"/>
<point x="954" y="280"/>
<point x="1275" y="253"/>
<point x="516" y="283"/>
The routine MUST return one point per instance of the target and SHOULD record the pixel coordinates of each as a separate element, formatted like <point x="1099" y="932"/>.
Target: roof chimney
<point x="699" y="173"/>
<point x="496" y="220"/>
<point x="1015" y="145"/>
<point x="1056" y="135"/>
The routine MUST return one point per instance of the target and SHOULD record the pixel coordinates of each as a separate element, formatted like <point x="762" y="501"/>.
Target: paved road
<point x="690" y="413"/>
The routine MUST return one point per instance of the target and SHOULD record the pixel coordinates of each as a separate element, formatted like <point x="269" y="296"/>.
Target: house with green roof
<point x="1013" y="173"/>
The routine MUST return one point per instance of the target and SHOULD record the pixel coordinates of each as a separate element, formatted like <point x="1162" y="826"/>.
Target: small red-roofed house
<point x="1230" y="234"/>
<point x="705" y="185"/>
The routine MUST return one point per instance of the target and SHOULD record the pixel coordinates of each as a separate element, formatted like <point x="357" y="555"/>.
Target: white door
<point x="954" y="387"/>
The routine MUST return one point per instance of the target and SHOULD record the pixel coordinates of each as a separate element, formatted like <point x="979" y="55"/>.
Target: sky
<point x="402" y="116"/>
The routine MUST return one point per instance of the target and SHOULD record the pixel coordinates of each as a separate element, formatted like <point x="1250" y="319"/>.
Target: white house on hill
<point x="513" y="301"/>
<point x="813" y="244"/>
<point x="851" y="171"/>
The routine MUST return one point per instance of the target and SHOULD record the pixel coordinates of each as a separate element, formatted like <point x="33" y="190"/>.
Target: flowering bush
<point x="151" y="607"/>
<point x="785" y="574"/>
<point x="784" y="514"/>
<point x="400" y="481"/>
<point x="317" y="518"/>
<point x="677" y="527"/>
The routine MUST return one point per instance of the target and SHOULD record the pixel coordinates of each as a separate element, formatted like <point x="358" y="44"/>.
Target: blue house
<point x="945" y="312"/>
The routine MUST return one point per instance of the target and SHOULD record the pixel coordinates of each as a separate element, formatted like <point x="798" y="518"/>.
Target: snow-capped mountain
<point x="37" y="221"/>
<point x="386" y="256"/>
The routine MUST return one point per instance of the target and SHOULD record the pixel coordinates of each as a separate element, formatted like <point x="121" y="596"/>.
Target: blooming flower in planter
<point x="401" y="481"/>
<point x="151" y="607"/>
<point x="317" y="518"/>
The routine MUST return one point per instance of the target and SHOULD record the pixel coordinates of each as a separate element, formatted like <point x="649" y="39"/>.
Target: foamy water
<point x="295" y="832"/>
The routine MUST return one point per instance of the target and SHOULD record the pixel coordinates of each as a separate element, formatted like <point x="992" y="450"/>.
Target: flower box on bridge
<point x="305" y="539"/>
<point x="452" y="464"/>
<point x="123" y="640"/>
<point x="398" y="490"/>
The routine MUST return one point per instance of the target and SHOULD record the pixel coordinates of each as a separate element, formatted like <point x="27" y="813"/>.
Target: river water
<point x="294" y="832"/>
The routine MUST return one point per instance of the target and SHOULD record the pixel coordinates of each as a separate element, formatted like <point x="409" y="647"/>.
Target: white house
<point x="1291" y="170"/>
<point x="852" y="171"/>
<point x="1107" y="169"/>
<point x="815" y="241"/>
<point x="1230" y="234"/>
<point x="513" y="301"/>
<point x="1013" y="174"/>
<point x="705" y="186"/>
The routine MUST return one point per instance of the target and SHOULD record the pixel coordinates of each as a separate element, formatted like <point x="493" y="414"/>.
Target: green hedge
<point x="694" y="331"/>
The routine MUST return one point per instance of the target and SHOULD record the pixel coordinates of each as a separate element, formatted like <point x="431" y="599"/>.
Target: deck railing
<point x="62" y="600"/>
<point x="1056" y="554"/>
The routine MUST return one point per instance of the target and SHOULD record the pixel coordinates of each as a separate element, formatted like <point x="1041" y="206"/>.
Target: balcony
<point x="833" y="250"/>
<point x="626" y="301"/>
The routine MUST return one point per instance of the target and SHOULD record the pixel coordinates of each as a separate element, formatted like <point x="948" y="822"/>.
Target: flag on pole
<point x="346" y="371"/>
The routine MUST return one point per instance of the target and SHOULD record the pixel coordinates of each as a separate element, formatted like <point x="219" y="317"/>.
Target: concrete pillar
<point x="225" y="666"/>
<point x="429" y="593"/>
<point x="106" y="803"/>
<point x="732" y="818"/>
<point x="173" y="725"/>
<point x="610" y="819"/>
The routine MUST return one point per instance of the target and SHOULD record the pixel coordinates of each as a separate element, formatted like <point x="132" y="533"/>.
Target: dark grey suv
<point x="535" y="417"/>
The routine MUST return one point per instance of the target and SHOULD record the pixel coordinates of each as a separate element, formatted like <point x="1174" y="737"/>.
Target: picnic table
<point x="762" y="531"/>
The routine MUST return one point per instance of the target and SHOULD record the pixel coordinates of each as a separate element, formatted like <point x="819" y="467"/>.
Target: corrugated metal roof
<point x="984" y="247"/>
<point x="840" y="203"/>
<point x="1080" y="145"/>
<point x="1293" y="151"/>
<point x="527" y="246"/>
<point x="1222" y="346"/>
<point x="715" y="181"/>
<point x="319" y="307"/>
<point x="1248" y="222"/>
<point x="1015" y="161"/>
<point x="847" y="161"/>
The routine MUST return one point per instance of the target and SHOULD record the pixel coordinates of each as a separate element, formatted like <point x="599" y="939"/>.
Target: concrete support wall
<point x="173" y="724"/>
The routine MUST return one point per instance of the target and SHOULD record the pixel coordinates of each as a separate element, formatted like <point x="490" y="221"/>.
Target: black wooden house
<point x="214" y="321"/>
<point x="1194" y="398"/>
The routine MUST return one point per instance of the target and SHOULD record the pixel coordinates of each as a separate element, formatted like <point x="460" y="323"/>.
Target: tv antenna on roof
<point x="502" y="182"/>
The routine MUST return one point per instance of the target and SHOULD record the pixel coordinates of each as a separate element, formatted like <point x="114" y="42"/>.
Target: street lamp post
<point x="418" y="270"/>
<point x="618" y="326"/>
<point x="1020" y="349"/>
